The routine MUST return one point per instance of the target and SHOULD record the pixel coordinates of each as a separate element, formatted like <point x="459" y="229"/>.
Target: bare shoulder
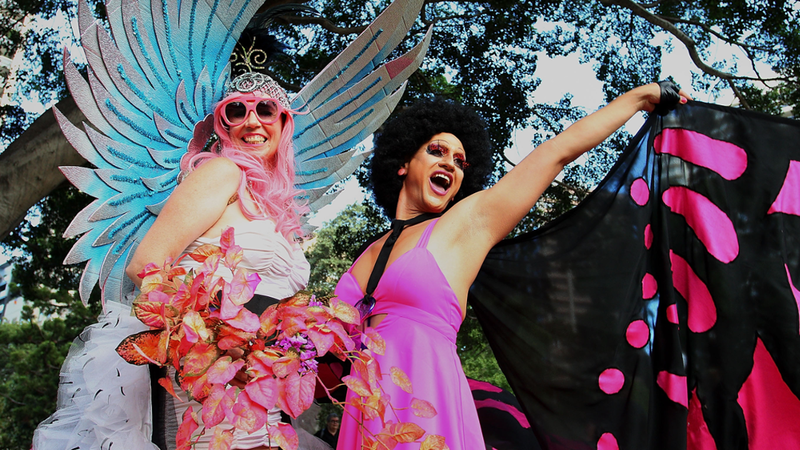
<point x="217" y="168"/>
<point x="215" y="174"/>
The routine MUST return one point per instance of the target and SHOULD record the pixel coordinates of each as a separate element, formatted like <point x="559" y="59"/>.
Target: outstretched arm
<point x="494" y="212"/>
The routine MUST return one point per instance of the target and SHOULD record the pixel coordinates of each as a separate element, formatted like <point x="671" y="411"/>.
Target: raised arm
<point x="495" y="211"/>
<point x="194" y="207"/>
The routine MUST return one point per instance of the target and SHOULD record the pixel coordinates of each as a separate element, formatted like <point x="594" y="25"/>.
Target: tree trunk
<point x="29" y="166"/>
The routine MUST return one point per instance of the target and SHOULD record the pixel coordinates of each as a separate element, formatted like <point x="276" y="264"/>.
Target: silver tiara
<point x="258" y="82"/>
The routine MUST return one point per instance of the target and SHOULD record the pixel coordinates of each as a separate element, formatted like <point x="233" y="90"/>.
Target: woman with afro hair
<point x="427" y="173"/>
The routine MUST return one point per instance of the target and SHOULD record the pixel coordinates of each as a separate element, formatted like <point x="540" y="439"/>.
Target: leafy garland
<point x="239" y="365"/>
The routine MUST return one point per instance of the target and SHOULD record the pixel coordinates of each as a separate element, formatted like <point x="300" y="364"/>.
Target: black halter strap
<point x="366" y="304"/>
<point x="383" y="257"/>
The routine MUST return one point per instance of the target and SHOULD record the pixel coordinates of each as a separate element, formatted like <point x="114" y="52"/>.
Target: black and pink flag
<point x="663" y="312"/>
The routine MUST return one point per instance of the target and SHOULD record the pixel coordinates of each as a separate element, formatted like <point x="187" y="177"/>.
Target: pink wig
<point x="270" y="183"/>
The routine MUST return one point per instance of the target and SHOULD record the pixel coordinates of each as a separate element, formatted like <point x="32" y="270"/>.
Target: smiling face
<point x="257" y="129"/>
<point x="433" y="176"/>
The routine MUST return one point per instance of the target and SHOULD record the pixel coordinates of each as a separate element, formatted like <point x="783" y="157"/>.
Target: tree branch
<point x="690" y="45"/>
<point x="324" y="23"/>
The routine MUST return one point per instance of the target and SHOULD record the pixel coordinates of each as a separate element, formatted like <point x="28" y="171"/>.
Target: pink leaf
<point x="221" y="439"/>
<point x="247" y="415"/>
<point x="284" y="435"/>
<point x="215" y="405"/>
<point x="245" y="321"/>
<point x="223" y="370"/>
<point x="185" y="430"/>
<point x="263" y="391"/>
<point x="323" y="340"/>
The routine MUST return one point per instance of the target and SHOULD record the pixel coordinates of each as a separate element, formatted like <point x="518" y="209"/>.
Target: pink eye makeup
<point x="440" y="150"/>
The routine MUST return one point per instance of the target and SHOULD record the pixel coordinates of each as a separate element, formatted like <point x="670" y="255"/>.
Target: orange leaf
<point x="185" y="430"/>
<point x="151" y="281"/>
<point x="146" y="341"/>
<point x="195" y="327"/>
<point x="323" y="340"/>
<point x="269" y="324"/>
<point x="200" y="254"/>
<point x="343" y="338"/>
<point x="150" y="313"/>
<point x="375" y="342"/>
<point x="434" y="442"/>
<point x="198" y="388"/>
<point x="405" y="432"/>
<point x="285" y="366"/>
<point x="166" y="383"/>
<point x="422" y="408"/>
<point x="200" y="358"/>
<point x="344" y="312"/>
<point x="400" y="379"/>
<point x="284" y="435"/>
<point x="357" y="385"/>
<point x="299" y="299"/>
<point x="221" y="439"/>
<point x="259" y="363"/>
<point x="214" y="406"/>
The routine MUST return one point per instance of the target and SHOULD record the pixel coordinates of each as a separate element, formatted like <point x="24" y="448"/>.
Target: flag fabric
<point x="663" y="312"/>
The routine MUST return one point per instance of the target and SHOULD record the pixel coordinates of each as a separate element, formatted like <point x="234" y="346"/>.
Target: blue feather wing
<point x="150" y="81"/>
<point x="350" y="99"/>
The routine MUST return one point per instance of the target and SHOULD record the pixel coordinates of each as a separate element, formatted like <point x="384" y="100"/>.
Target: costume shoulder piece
<point x="152" y="84"/>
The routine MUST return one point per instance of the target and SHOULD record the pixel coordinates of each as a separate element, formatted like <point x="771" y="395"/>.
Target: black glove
<point x="670" y="98"/>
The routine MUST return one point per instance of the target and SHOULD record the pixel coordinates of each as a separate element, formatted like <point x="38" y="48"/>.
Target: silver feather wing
<point x="350" y="99"/>
<point x="150" y="81"/>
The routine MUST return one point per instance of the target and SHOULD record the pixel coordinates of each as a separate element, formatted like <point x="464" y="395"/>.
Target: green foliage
<point x="337" y="243"/>
<point x="31" y="352"/>
<point x="476" y="355"/>
<point x="30" y="358"/>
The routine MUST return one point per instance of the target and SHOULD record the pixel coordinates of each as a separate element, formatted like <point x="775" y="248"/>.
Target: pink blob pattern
<point x="788" y="200"/>
<point x="724" y="158"/>
<point x="672" y="313"/>
<point x="638" y="333"/>
<point x="702" y="310"/>
<point x="492" y="403"/>
<point x="611" y="381"/>
<point x="697" y="435"/>
<point x="648" y="236"/>
<point x="770" y="408"/>
<point x="795" y="291"/>
<point x="640" y="192"/>
<point x="674" y="386"/>
<point x="476" y="385"/>
<point x="649" y="286"/>
<point x="711" y="225"/>
<point x="607" y="442"/>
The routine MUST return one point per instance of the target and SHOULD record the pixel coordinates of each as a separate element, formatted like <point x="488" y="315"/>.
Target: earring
<point x="401" y="172"/>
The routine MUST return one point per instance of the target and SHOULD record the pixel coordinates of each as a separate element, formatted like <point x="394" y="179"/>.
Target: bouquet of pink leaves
<point x="239" y="365"/>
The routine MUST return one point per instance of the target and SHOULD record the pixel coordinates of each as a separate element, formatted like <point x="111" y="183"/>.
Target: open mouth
<point x="254" y="139"/>
<point x="441" y="182"/>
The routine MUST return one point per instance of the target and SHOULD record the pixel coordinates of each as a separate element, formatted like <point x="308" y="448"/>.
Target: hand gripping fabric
<point x="153" y="82"/>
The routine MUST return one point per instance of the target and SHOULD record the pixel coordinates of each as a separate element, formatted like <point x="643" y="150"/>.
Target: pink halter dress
<point x="423" y="317"/>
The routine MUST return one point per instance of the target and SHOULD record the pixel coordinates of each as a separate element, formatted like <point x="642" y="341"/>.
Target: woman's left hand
<point x="663" y="97"/>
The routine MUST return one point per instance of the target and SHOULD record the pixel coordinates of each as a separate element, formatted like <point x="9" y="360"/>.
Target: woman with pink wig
<point x="243" y="179"/>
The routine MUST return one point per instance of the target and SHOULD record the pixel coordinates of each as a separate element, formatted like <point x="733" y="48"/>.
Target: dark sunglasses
<point x="236" y="111"/>
<point x="365" y="306"/>
<point x="439" y="149"/>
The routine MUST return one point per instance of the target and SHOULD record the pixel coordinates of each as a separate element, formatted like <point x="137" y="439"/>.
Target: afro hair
<point x="401" y="137"/>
